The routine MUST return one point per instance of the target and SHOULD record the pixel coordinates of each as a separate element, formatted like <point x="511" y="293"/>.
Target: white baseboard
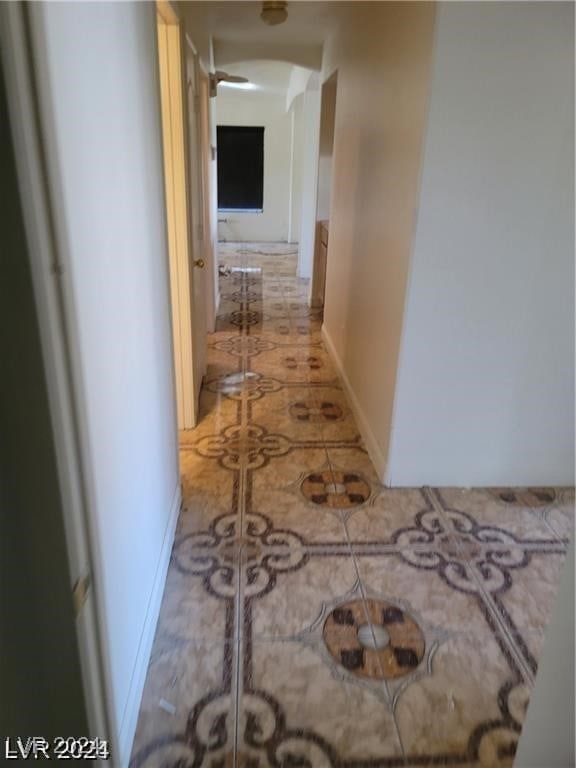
<point x="372" y="446"/>
<point x="130" y="719"/>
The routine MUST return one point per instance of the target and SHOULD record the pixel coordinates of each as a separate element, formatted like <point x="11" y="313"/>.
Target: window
<point x="240" y="168"/>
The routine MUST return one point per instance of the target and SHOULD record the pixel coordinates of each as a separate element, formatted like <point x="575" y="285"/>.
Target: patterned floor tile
<point x="311" y="717"/>
<point x="528" y="596"/>
<point x="426" y="582"/>
<point x="200" y="584"/>
<point x="491" y="508"/>
<point x="311" y="524"/>
<point x="312" y="617"/>
<point x="291" y="596"/>
<point x="468" y="706"/>
<point x="394" y="516"/>
<point x="187" y="712"/>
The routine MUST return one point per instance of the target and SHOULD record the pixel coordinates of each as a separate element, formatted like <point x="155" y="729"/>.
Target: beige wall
<point x="326" y="146"/>
<point x="485" y="392"/>
<point x="382" y="54"/>
<point x="311" y="119"/>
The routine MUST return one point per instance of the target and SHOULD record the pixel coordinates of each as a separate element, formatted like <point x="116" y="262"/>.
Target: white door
<point x="183" y="207"/>
<point x="197" y="228"/>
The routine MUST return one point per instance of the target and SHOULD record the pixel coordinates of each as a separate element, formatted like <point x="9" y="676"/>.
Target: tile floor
<point x="312" y="617"/>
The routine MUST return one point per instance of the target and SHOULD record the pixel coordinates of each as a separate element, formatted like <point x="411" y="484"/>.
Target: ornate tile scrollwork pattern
<point x="311" y="617"/>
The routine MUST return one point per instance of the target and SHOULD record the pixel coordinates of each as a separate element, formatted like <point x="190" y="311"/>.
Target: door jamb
<point x="180" y="250"/>
<point x="50" y="280"/>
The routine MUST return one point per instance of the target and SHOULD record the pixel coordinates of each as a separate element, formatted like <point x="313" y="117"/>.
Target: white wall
<point x="100" y="109"/>
<point x="297" y="144"/>
<point x="299" y="79"/>
<point x="485" y="390"/>
<point x="382" y="53"/>
<point x="311" y="116"/>
<point x="245" y="108"/>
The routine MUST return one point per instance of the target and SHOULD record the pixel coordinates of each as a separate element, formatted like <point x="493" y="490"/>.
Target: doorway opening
<point x="186" y="207"/>
<point x="260" y="134"/>
<point x="325" y="163"/>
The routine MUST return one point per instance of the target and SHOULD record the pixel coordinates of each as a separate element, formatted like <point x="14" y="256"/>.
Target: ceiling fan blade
<point x="225" y="77"/>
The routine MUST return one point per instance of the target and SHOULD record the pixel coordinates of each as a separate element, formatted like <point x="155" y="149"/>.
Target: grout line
<point x="483" y="593"/>
<point x="367" y="615"/>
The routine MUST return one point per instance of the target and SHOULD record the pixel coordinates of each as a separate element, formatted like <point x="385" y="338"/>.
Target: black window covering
<point x="240" y="167"/>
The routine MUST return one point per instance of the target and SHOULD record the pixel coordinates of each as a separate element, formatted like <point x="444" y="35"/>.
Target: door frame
<point x="32" y="139"/>
<point x="327" y="128"/>
<point x="196" y="200"/>
<point x="178" y="201"/>
<point x="204" y="166"/>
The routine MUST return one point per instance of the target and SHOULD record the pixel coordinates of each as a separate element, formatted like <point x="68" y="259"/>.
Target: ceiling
<point x="238" y="33"/>
<point x="239" y="22"/>
<point x="270" y="77"/>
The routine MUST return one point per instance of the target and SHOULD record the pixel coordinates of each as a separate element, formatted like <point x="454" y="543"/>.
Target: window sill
<point x="240" y="210"/>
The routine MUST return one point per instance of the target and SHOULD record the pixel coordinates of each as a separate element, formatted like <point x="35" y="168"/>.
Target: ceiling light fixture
<point x="274" y="12"/>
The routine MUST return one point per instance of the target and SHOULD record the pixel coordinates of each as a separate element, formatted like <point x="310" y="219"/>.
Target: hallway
<point x="312" y="617"/>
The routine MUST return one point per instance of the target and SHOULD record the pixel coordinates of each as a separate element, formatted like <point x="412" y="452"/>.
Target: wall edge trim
<point x="374" y="451"/>
<point x="130" y="718"/>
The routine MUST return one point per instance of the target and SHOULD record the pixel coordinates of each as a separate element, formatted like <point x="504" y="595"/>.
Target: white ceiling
<point x="270" y="77"/>
<point x="239" y="21"/>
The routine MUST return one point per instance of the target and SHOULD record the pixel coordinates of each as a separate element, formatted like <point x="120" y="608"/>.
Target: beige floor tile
<point x="391" y="511"/>
<point x="310" y="711"/>
<point x="310" y="524"/>
<point x="286" y="472"/>
<point x="453" y="711"/>
<point x="299" y="595"/>
<point x="300" y="363"/>
<point x="207" y="491"/>
<point x="529" y="598"/>
<point x="180" y="676"/>
<point x="486" y="508"/>
<point x="195" y="605"/>
<point x="353" y="458"/>
<point x="438" y="600"/>
<point x="560" y="514"/>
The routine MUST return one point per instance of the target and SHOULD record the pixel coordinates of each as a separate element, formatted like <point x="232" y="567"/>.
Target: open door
<point x="183" y="213"/>
<point x="325" y="154"/>
<point x="197" y="200"/>
<point x="210" y="271"/>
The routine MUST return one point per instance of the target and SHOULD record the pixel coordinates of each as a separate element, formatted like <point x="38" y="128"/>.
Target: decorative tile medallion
<point x="525" y="497"/>
<point x="374" y="639"/>
<point x="311" y="362"/>
<point x="339" y="490"/>
<point x="313" y="412"/>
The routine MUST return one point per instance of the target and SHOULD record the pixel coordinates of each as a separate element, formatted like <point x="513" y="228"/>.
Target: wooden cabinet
<point x="319" y="271"/>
